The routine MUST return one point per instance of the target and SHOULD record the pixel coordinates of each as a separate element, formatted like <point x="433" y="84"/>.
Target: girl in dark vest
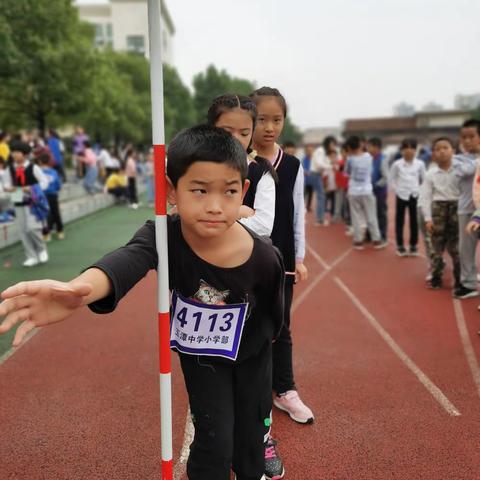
<point x="288" y="235"/>
<point x="238" y="115"/>
<point x="23" y="175"/>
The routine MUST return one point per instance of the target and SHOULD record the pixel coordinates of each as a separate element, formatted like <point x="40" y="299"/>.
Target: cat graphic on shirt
<point x="210" y="295"/>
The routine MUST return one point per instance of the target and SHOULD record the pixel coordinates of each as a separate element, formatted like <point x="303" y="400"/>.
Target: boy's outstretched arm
<point x="43" y="302"/>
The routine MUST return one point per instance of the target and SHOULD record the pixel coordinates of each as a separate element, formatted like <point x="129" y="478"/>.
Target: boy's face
<point x="270" y="122"/>
<point x="208" y="198"/>
<point x="470" y="139"/>
<point x="409" y="153"/>
<point x="18" y="157"/>
<point x="373" y="150"/>
<point x="442" y="152"/>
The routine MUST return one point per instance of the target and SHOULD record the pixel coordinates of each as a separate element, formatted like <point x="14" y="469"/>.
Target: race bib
<point x="361" y="174"/>
<point x="201" y="329"/>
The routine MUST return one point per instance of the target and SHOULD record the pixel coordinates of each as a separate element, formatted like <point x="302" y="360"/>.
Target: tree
<point x="46" y="60"/>
<point x="290" y="132"/>
<point x="178" y="103"/>
<point x="212" y="83"/>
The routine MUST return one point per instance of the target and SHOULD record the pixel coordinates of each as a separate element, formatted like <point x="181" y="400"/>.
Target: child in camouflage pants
<point x="439" y="204"/>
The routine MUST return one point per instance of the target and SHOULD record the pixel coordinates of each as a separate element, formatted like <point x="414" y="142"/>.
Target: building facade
<point x="123" y="25"/>
<point x="424" y="126"/>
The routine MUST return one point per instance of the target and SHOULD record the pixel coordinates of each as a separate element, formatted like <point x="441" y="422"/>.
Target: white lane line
<point x="13" y="350"/>
<point x="467" y="343"/>
<point x="181" y="465"/>
<point x="298" y="300"/>
<point x="437" y="394"/>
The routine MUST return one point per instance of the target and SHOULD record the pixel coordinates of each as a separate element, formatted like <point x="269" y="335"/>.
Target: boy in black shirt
<point x="227" y="286"/>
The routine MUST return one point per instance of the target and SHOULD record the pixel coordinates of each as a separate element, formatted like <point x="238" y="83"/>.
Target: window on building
<point x="109" y="34"/>
<point x="136" y="44"/>
<point x="99" y="38"/>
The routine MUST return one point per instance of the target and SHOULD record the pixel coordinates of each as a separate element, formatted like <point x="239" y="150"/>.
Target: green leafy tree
<point x="178" y="103"/>
<point x="207" y="85"/>
<point x="290" y="132"/>
<point x="46" y="61"/>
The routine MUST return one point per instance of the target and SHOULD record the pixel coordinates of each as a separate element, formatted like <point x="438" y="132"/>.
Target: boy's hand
<point x="39" y="303"/>
<point x="245" y="212"/>
<point x="301" y="272"/>
<point x="429" y="226"/>
<point x="472" y="227"/>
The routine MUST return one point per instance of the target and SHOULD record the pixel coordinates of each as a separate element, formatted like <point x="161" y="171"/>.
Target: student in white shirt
<point x="439" y="203"/>
<point x="406" y="176"/>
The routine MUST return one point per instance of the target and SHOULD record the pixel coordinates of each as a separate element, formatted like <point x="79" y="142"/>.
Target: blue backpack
<point x="38" y="204"/>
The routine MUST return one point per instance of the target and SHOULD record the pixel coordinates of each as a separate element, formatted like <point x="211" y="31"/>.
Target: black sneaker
<point x="435" y="283"/>
<point x="413" y="252"/>
<point x="463" y="292"/>
<point x="273" y="463"/>
<point x="401" y="252"/>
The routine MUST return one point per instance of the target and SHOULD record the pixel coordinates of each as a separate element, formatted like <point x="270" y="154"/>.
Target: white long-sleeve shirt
<point x="299" y="216"/>
<point x="406" y="178"/>
<point x="264" y="205"/>
<point x="439" y="185"/>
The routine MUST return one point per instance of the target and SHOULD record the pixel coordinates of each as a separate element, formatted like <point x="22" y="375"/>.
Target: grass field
<point x="86" y="240"/>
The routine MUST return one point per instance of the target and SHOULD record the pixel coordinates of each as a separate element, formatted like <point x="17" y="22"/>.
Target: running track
<point x="389" y="368"/>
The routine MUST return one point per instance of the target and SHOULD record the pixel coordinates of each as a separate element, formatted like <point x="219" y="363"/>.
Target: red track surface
<point x="80" y="400"/>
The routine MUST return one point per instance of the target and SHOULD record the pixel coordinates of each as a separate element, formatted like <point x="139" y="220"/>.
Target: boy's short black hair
<point x="289" y="144"/>
<point x="443" y="139"/>
<point x="353" y="142"/>
<point x="19" y="146"/>
<point x="472" y="123"/>
<point x="408" y="143"/>
<point x="375" y="142"/>
<point x="204" y="143"/>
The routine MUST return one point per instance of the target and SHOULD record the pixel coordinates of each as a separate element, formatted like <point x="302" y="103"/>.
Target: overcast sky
<point x="337" y="59"/>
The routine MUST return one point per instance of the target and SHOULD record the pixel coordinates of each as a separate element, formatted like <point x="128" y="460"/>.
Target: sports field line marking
<point x="12" y="350"/>
<point x="437" y="394"/>
<point x="180" y="466"/>
<point x="467" y="343"/>
<point x="298" y="300"/>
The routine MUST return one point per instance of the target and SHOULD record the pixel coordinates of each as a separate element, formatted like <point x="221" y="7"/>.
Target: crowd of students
<point x="32" y="172"/>
<point x="440" y="191"/>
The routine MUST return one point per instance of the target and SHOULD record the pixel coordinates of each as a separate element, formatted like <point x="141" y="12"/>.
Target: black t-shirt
<point x="259" y="281"/>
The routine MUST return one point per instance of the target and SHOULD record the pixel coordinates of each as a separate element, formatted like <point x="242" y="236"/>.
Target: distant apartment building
<point x="424" y="126"/>
<point x="123" y="25"/>
<point x="470" y="102"/>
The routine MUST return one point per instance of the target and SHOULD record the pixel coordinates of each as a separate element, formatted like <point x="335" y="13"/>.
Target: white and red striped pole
<point x="158" y="132"/>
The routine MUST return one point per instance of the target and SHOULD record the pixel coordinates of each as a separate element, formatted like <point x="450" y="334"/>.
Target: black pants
<point x="308" y="194"/>
<point x="132" y="190"/>
<point x="401" y="206"/>
<point x="382" y="212"/>
<point x="54" y="217"/>
<point x="229" y="403"/>
<point x="330" y="202"/>
<point x="282" y="349"/>
<point x="118" y="192"/>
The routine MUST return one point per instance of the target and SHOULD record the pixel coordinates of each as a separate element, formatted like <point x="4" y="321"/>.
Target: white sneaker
<point x="43" y="256"/>
<point x="30" y="262"/>
<point x="134" y="206"/>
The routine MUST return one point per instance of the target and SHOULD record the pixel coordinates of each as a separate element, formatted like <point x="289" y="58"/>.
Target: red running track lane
<point x="82" y="397"/>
